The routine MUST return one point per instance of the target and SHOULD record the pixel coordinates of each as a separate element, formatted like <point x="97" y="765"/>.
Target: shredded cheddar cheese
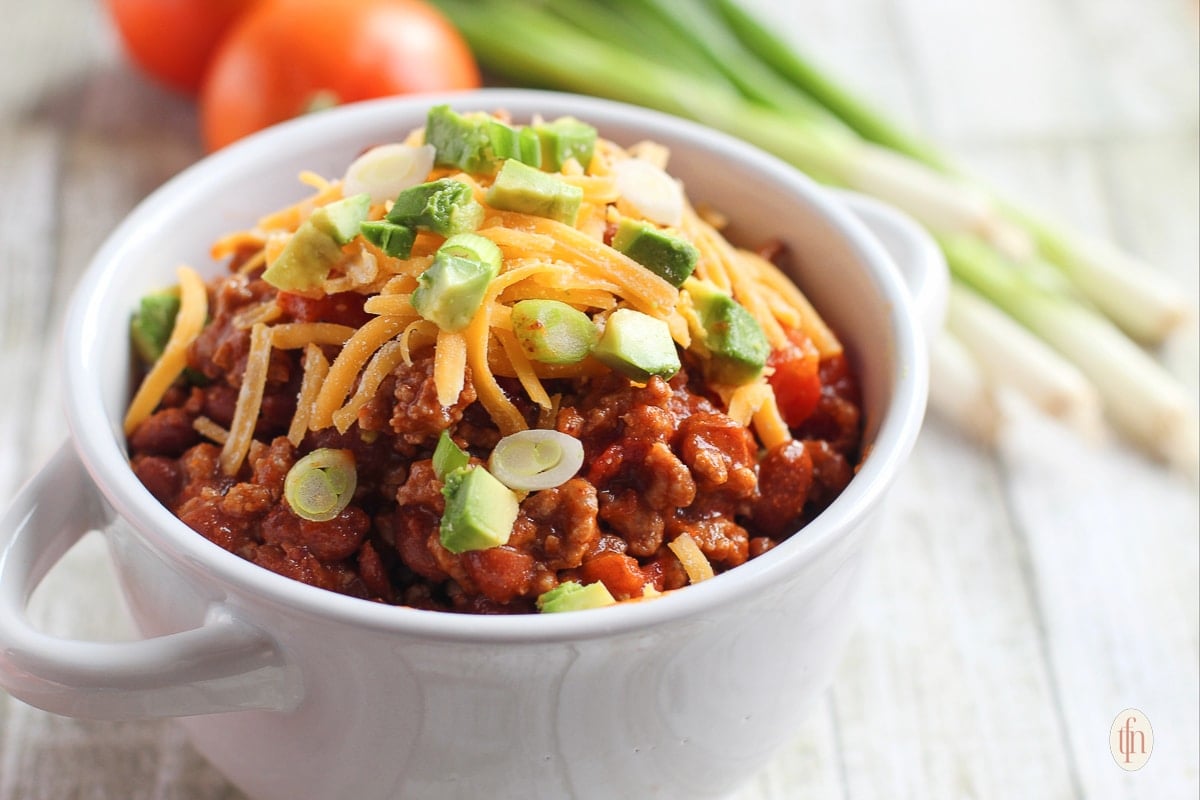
<point x="343" y="367"/>
<point x="695" y="563"/>
<point x="193" y="307"/>
<point x="250" y="395"/>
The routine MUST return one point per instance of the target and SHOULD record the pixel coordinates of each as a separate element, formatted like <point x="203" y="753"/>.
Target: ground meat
<point x="724" y="542"/>
<point x="165" y="433"/>
<point x="162" y="476"/>
<point x="720" y="454"/>
<point x="332" y="540"/>
<point x="559" y="526"/>
<point x="784" y="476"/>
<point x="661" y="460"/>
<point x="417" y="415"/>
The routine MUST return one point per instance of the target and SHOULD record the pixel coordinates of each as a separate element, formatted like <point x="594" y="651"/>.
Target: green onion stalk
<point x="712" y="61"/>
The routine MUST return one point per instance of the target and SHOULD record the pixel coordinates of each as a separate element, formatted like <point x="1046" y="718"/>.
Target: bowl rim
<point x="100" y="445"/>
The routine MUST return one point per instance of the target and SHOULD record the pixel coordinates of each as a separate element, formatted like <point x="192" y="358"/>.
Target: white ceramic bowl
<point x="295" y="692"/>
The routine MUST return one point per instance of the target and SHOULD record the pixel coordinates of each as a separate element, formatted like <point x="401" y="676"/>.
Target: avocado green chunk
<point x="340" y="219"/>
<point x="305" y="261"/>
<point x="475" y="143"/>
<point x="553" y="332"/>
<point x="637" y="345"/>
<point x="152" y="324"/>
<point x="563" y="139"/>
<point x="573" y="596"/>
<point x="444" y="206"/>
<point x="395" y="240"/>
<point x="314" y="248"/>
<point x="480" y="511"/>
<point x="736" y="342"/>
<point x="451" y="290"/>
<point x="528" y="190"/>
<point x="670" y="257"/>
<point x="448" y="456"/>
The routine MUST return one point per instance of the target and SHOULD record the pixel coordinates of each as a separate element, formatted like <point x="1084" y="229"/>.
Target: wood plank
<point x="945" y="690"/>
<point x="27" y="260"/>
<point x="1113" y="552"/>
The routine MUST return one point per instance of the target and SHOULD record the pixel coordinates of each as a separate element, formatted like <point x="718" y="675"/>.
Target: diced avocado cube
<point x="480" y="511"/>
<point x="395" y="240"/>
<point x="152" y="324"/>
<point x="475" y="143"/>
<point x="573" y="596"/>
<point x="528" y="190"/>
<point x="305" y="260"/>
<point x="736" y="343"/>
<point x="341" y="218"/>
<point x="314" y="248"/>
<point x="637" y="345"/>
<point x="451" y="290"/>
<point x="444" y="206"/>
<point x="553" y="332"/>
<point x="448" y="456"/>
<point x="670" y="257"/>
<point x="563" y="139"/>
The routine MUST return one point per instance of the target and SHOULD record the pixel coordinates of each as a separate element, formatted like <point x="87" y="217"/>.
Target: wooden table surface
<point x="1020" y="596"/>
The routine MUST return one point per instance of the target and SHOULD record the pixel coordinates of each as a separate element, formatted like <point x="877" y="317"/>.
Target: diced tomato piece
<point x="796" y="379"/>
<point x="619" y="573"/>
<point x="344" y="308"/>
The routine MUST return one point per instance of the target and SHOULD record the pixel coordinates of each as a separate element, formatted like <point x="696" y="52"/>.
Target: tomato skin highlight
<point x="172" y="41"/>
<point x="796" y="379"/>
<point x="284" y="54"/>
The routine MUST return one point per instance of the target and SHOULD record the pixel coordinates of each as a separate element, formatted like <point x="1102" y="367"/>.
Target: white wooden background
<point x="1020" y="597"/>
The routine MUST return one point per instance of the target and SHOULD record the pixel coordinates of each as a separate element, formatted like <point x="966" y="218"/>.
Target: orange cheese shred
<point x="345" y="368"/>
<point x="449" y="367"/>
<point x="193" y="308"/>
<point x="385" y="360"/>
<point x="316" y="367"/>
<point x="250" y="395"/>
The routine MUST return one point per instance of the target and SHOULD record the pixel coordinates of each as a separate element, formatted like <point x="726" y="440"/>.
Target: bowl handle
<point x="914" y="252"/>
<point x="224" y="664"/>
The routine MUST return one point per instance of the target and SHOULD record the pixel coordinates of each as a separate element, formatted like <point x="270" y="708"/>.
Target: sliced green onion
<point x="650" y="190"/>
<point x="553" y="332"/>
<point x="448" y="456"/>
<point x="475" y="247"/>
<point x="532" y="460"/>
<point x="385" y="171"/>
<point x="319" y="486"/>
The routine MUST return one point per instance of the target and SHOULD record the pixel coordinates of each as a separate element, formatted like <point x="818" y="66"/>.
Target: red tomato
<point x="796" y="380"/>
<point x="284" y="56"/>
<point x="173" y="40"/>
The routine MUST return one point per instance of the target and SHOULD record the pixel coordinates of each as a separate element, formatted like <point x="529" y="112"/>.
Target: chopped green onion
<point x="448" y="456"/>
<point x="536" y="459"/>
<point x="475" y="247"/>
<point x="652" y="192"/>
<point x="384" y="171"/>
<point x="552" y="332"/>
<point x="319" y="486"/>
<point x="712" y="61"/>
